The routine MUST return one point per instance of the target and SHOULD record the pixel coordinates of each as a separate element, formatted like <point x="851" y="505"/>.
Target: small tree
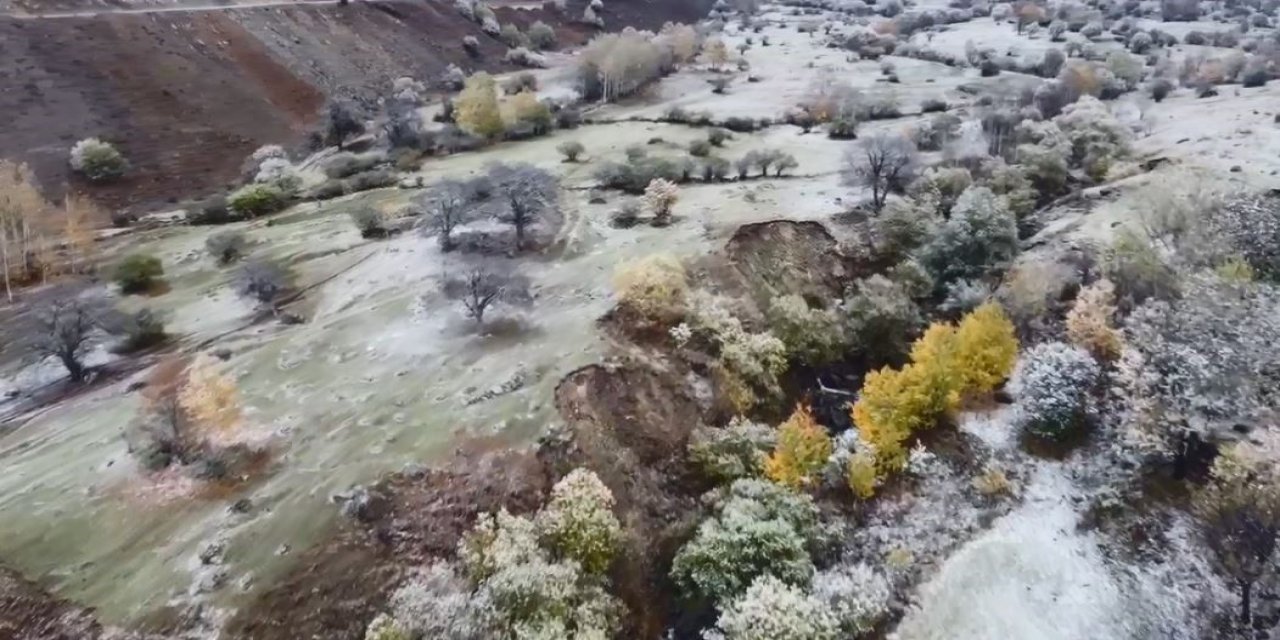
<point x="1090" y="322"/>
<point x="226" y="247"/>
<point x="660" y="196"/>
<point x="578" y="521"/>
<point x="477" y="109"/>
<point x="340" y="123"/>
<point x="481" y="286"/>
<point x="529" y="194"/>
<point x="211" y="400"/>
<point x="262" y="281"/>
<point x="654" y="287"/>
<point x="97" y="160"/>
<point x="1052" y="384"/>
<point x="446" y="206"/>
<point x="138" y="273"/>
<point x="1240" y="513"/>
<point x="882" y="163"/>
<point x="716" y="52"/>
<point x="570" y="149"/>
<point x="802" y="450"/>
<point x="542" y="36"/>
<point x="64" y="328"/>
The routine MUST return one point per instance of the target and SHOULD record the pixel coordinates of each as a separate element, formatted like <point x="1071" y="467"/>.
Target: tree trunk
<point x="74" y="369"/>
<point x="1246" y="591"/>
<point x="4" y="252"/>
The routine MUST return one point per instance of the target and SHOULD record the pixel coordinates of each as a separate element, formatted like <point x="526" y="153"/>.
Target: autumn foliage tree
<point x="803" y="448"/>
<point x="947" y="363"/>
<point x="211" y="400"/>
<point x="477" y="107"/>
<point x="1090" y="322"/>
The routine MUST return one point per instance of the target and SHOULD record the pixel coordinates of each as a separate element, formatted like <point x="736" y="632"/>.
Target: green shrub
<point x="142" y="330"/>
<point x="138" y="273"/>
<point x="226" y="246"/>
<point x="97" y="160"/>
<point x="813" y="336"/>
<point x="738" y="450"/>
<point x="757" y="529"/>
<point x="257" y="200"/>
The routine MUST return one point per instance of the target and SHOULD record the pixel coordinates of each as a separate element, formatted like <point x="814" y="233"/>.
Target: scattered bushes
<point x="97" y="160"/>
<point x="138" y="273"/>
<point x="142" y="329"/>
<point x="812" y="336"/>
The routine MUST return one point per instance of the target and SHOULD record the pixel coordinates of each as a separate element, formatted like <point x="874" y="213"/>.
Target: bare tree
<point x="480" y="286"/>
<point x="527" y="193"/>
<point x="446" y="205"/>
<point x="262" y="281"/>
<point x="883" y="163"/>
<point x="65" y="326"/>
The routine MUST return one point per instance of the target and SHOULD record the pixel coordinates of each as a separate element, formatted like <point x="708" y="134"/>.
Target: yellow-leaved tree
<point x="211" y="400"/>
<point x="477" y="107"/>
<point x="947" y="362"/>
<point x="803" y="448"/>
<point x="1089" y="323"/>
<point x="986" y="349"/>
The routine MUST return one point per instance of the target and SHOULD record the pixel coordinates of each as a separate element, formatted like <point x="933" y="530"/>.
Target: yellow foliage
<point x="985" y="350"/>
<point x="654" y="286"/>
<point x="525" y="107"/>
<point x="803" y="448"/>
<point x="1089" y="321"/>
<point x="739" y="395"/>
<point x="992" y="482"/>
<point x="1235" y="269"/>
<point x="894" y="404"/>
<point x="946" y="362"/>
<point x="211" y="400"/>
<point x="477" y="107"/>
<point x="862" y="475"/>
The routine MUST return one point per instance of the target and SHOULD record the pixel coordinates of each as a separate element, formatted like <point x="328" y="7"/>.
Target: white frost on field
<point x="1035" y="574"/>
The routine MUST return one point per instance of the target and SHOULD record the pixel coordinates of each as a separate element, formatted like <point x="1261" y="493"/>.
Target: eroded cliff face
<point x="188" y="92"/>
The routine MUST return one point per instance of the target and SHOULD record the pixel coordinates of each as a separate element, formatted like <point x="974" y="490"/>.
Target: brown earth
<point x="28" y="612"/>
<point x="782" y="257"/>
<point x="630" y="423"/>
<point x="337" y="588"/>
<point x="187" y="96"/>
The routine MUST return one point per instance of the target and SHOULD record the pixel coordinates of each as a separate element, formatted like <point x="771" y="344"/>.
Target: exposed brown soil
<point x="630" y="423"/>
<point x="337" y="587"/>
<point x="187" y="96"/>
<point x="28" y="612"/>
<point x="782" y="257"/>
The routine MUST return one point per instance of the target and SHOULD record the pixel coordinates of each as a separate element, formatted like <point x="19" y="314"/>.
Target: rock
<point x="283" y="550"/>
<point x="355" y="503"/>
<point x="1236" y="169"/>
<point x="222" y="354"/>
<point x="243" y="505"/>
<point x="208" y="580"/>
<point x="211" y="552"/>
